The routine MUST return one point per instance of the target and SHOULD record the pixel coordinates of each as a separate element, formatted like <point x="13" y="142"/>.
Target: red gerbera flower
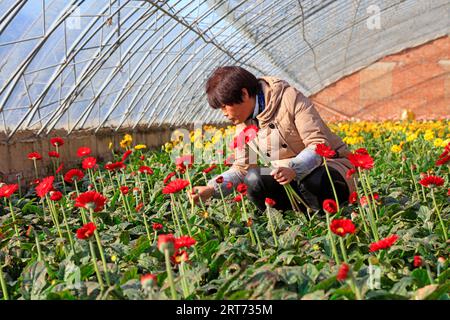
<point x="242" y="188"/>
<point x="325" y="151"/>
<point x="219" y="179"/>
<point x="157" y="226"/>
<point x="209" y="169"/>
<point x="34" y="156"/>
<point x="126" y="155"/>
<point x="238" y="198"/>
<point x="45" y="186"/>
<point x="229" y="185"/>
<point x="57" y="141"/>
<point x="443" y="159"/>
<point x="361" y="151"/>
<point x="330" y="206"/>
<point x="175" y="186"/>
<point x="184" y="242"/>
<point x="179" y="256"/>
<point x="115" y="166"/>
<point x="270" y="202"/>
<point x="86" y="231"/>
<point x="8" y="190"/>
<point x="350" y="173"/>
<point x="432" y="181"/>
<point x="341" y="227"/>
<point x="55" y="195"/>
<point x="90" y="200"/>
<point x="418" y="261"/>
<point x="383" y="243"/>
<point x="53" y="154"/>
<point x="353" y="197"/>
<point x="359" y="160"/>
<point x="124" y="190"/>
<point x="73" y="175"/>
<point x="83" y="151"/>
<point x="343" y="272"/>
<point x="89" y="163"/>
<point x="145" y="169"/>
<point x="170" y="175"/>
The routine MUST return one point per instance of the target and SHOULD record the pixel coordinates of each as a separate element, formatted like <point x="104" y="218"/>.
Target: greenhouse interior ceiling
<point x="125" y="64"/>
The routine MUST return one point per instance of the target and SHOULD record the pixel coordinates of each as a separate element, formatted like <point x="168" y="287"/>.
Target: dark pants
<point x="313" y="189"/>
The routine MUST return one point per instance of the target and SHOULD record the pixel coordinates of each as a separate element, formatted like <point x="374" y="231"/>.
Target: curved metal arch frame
<point x="194" y="69"/>
<point x="161" y="97"/>
<point x="166" y="87"/>
<point x="63" y="65"/>
<point x="155" y="86"/>
<point x="117" y="69"/>
<point x="127" y="88"/>
<point x="26" y="62"/>
<point x="197" y="87"/>
<point x="88" y="72"/>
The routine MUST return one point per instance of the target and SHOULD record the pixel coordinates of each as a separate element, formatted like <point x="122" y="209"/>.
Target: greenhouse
<point x="224" y="150"/>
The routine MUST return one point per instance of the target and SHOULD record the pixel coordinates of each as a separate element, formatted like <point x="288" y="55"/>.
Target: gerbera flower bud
<point x="166" y="242"/>
<point x="417" y="262"/>
<point x="270" y="202"/>
<point x="330" y="206"/>
<point x="148" y="280"/>
<point x="157" y="226"/>
<point x="343" y="272"/>
<point x="242" y="188"/>
<point x="219" y="179"/>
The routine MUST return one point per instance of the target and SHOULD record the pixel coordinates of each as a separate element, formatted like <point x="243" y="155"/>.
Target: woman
<point x="284" y="115"/>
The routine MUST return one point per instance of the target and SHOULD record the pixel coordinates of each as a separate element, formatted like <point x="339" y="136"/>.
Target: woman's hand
<point x="205" y="192"/>
<point x="283" y="175"/>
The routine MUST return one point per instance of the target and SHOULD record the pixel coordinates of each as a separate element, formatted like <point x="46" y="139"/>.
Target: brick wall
<point x="416" y="78"/>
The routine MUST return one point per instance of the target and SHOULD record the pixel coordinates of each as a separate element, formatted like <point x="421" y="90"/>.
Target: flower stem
<point x="38" y="246"/>
<point x="13" y="217"/>
<point x="94" y="261"/>
<point x="444" y="229"/>
<point x="272" y="227"/>
<point x="330" y="238"/>
<point x="100" y="248"/>
<point x="244" y="210"/>
<point x="67" y="228"/>
<point x="170" y="275"/>
<point x="3" y="284"/>
<point x="184" y="281"/>
<point x="344" y="252"/>
<point x="331" y="181"/>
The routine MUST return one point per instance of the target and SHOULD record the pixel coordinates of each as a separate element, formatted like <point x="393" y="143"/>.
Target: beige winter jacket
<point x="295" y="123"/>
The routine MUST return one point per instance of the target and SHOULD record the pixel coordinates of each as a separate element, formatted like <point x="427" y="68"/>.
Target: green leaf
<point x="34" y="280"/>
<point x="420" y="277"/>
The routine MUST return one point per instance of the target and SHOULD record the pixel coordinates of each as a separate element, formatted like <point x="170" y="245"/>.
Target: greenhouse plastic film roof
<point x="92" y="64"/>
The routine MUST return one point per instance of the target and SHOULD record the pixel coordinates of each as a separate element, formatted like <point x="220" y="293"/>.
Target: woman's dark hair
<point x="225" y="85"/>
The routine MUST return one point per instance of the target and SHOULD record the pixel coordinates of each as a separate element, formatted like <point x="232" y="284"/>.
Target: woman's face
<point x="238" y="113"/>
